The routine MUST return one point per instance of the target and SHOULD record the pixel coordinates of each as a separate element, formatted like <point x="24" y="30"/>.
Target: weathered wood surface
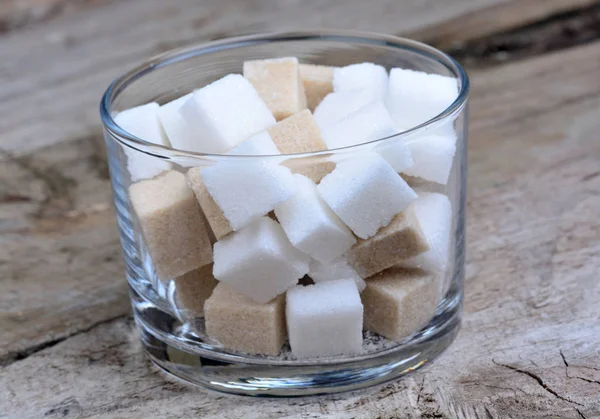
<point x="530" y="344"/>
<point x="80" y="53"/>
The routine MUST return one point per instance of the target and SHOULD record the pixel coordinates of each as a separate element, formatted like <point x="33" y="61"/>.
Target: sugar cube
<point x="192" y="290"/>
<point x="172" y="223"/>
<point x="338" y="105"/>
<point x="241" y="324"/>
<point x="311" y="225"/>
<point x="278" y="83"/>
<point x="366" y="193"/>
<point x="369" y="77"/>
<point x="336" y="269"/>
<point x="432" y="157"/>
<point x="434" y="212"/>
<point x="178" y="132"/>
<point x="313" y="167"/>
<point x="142" y="122"/>
<point x="317" y="81"/>
<point x="216" y="219"/>
<point x="415" y="97"/>
<point x="298" y="133"/>
<point x="224" y="113"/>
<point x="324" y="319"/>
<point x="259" y="261"/>
<point x="247" y="190"/>
<point x="398" y="302"/>
<point x="369" y="123"/>
<point x="401" y="239"/>
<point x="258" y="144"/>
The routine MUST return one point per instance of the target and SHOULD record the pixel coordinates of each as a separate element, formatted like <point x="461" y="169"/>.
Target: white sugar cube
<point x="142" y="122"/>
<point x="335" y="269"/>
<point x="366" y="193"/>
<point x="259" y="261"/>
<point x="247" y="190"/>
<point x="415" y="97"/>
<point x="369" y="77"/>
<point x="324" y="319"/>
<point x="311" y="225"/>
<point x="432" y="157"/>
<point x="178" y="132"/>
<point x="369" y="123"/>
<point x="434" y="212"/>
<point x="258" y="144"/>
<point x="338" y="105"/>
<point x="396" y="152"/>
<point x="224" y="113"/>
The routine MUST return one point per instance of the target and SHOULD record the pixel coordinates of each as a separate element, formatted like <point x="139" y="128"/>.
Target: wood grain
<point x="60" y="258"/>
<point x="494" y="19"/>
<point x="80" y="53"/>
<point x="18" y="14"/>
<point x="530" y="337"/>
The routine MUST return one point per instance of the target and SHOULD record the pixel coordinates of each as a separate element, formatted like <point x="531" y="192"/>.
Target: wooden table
<point x="530" y="341"/>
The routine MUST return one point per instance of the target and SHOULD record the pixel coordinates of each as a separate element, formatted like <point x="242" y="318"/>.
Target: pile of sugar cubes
<point x="269" y="249"/>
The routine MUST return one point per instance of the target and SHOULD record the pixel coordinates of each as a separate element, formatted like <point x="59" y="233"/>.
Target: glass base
<point x="253" y="376"/>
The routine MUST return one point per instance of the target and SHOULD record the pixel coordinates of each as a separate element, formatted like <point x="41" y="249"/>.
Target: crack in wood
<point x="13" y="198"/>
<point x="539" y="380"/>
<point x="13" y="357"/>
<point x="564" y="359"/>
<point x="590" y="176"/>
<point x="585" y="379"/>
<point x="420" y="390"/>
<point x="556" y="32"/>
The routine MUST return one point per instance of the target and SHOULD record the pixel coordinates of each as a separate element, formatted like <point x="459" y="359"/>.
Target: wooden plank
<point x="530" y="337"/>
<point x="81" y="52"/>
<point x="17" y="14"/>
<point x="494" y="19"/>
<point x="556" y="32"/>
<point x="60" y="257"/>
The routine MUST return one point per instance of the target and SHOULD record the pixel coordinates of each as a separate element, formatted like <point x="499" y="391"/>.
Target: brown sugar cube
<point x="278" y="83"/>
<point x="239" y="323"/>
<point x="401" y="239"/>
<point x="216" y="219"/>
<point x="171" y="221"/>
<point x="298" y="133"/>
<point x="317" y="81"/>
<point x="193" y="289"/>
<point x="315" y="168"/>
<point x="398" y="302"/>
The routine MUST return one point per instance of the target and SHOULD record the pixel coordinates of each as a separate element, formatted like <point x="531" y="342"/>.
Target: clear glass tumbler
<point x="420" y="318"/>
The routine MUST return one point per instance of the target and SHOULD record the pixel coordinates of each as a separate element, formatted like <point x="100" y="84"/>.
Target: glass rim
<point x="183" y="53"/>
